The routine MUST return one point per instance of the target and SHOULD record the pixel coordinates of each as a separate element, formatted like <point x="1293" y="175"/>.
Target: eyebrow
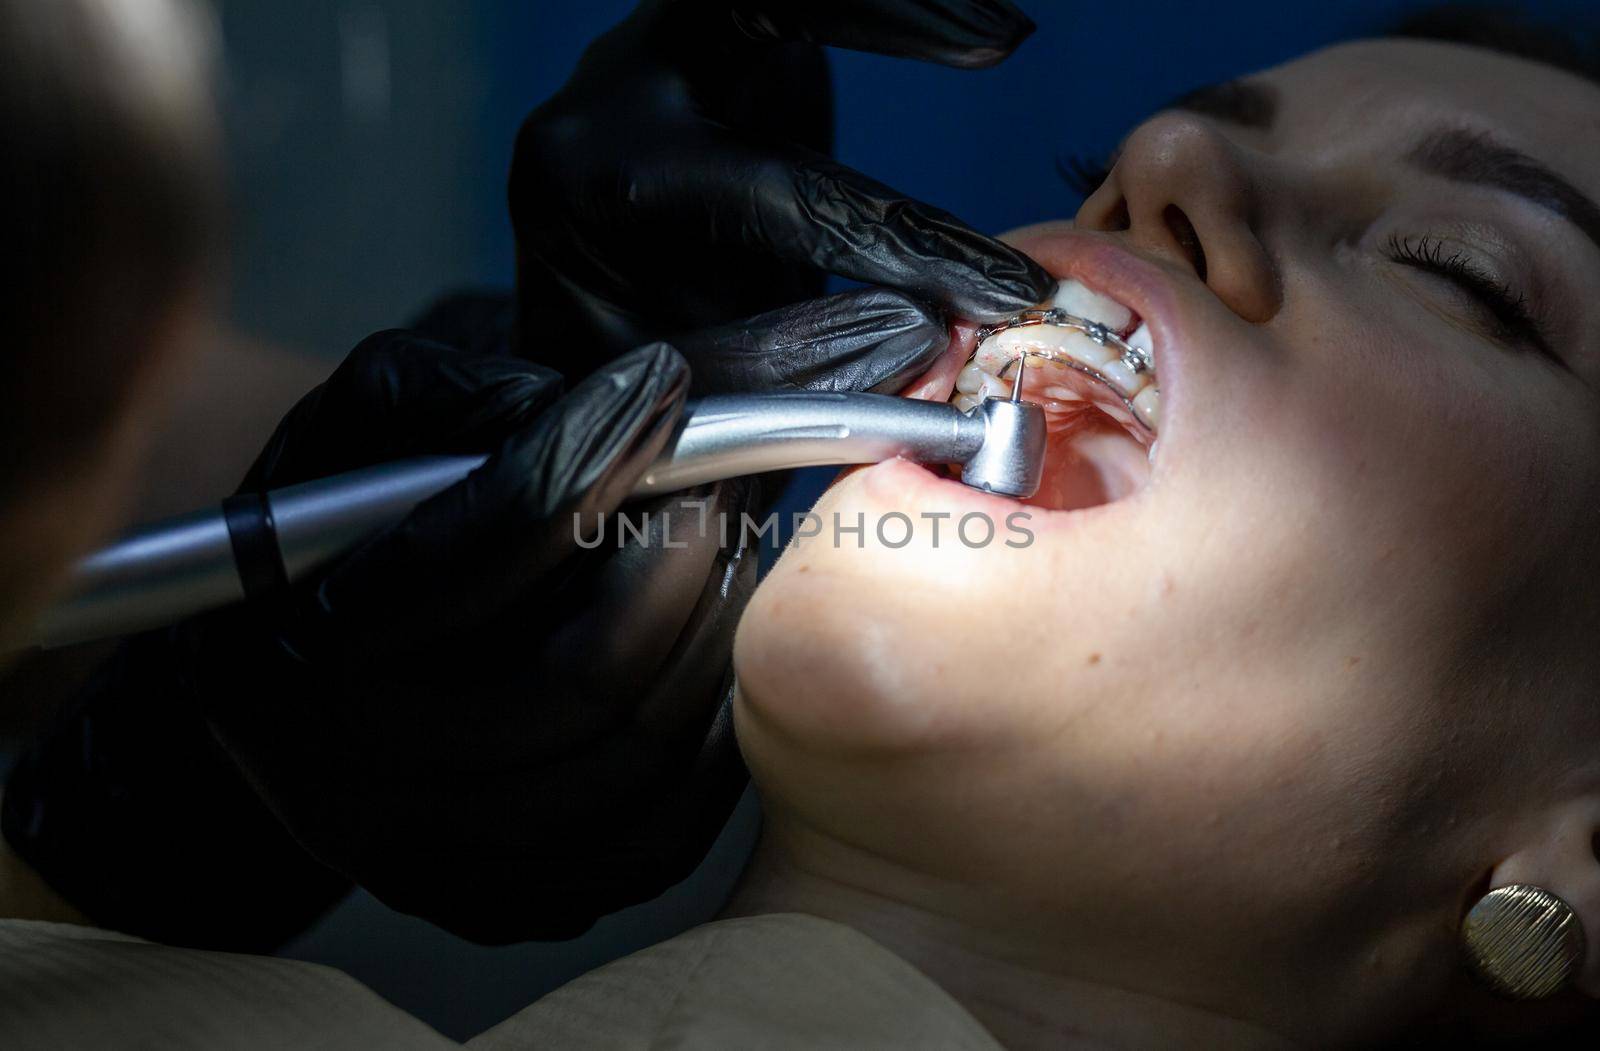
<point x="1458" y="154"/>
<point x="1468" y="156"/>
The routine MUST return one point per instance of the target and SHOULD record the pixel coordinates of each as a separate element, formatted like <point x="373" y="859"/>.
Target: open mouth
<point x="1091" y="367"/>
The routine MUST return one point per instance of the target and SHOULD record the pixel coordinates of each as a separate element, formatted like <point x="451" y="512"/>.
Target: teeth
<point x="994" y="387"/>
<point x="1081" y="348"/>
<point x="997" y="351"/>
<point x="1110" y="358"/>
<point x="1077" y="299"/>
<point x="977" y="384"/>
<point x="1147" y="404"/>
<point x="1122" y="377"/>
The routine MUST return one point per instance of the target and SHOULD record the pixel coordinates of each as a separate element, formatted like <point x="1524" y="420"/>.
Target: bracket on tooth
<point x="1134" y="357"/>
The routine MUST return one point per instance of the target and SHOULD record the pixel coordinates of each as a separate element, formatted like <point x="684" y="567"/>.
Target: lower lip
<point x="905" y="485"/>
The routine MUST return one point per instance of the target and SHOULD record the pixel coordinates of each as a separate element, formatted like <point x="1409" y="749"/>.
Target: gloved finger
<point x="399" y="395"/>
<point x="971" y="34"/>
<point x="813" y="210"/>
<point x="708" y="186"/>
<point x="870" y="339"/>
<point x="513" y="524"/>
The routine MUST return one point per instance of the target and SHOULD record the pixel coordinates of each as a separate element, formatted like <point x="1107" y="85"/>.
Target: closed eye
<point x="1511" y="319"/>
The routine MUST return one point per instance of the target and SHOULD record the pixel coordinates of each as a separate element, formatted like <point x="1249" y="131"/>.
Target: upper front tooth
<point x="1078" y="300"/>
<point x="970" y="379"/>
<point x="1140" y="337"/>
<point x="1122" y="377"/>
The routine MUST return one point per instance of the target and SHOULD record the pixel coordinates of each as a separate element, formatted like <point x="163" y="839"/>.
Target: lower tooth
<point x="966" y="402"/>
<point x="1147" y="404"/>
<point x="994" y="387"/>
<point x="1121" y="376"/>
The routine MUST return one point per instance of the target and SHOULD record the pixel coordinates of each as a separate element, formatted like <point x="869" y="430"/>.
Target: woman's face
<point x="1254" y="734"/>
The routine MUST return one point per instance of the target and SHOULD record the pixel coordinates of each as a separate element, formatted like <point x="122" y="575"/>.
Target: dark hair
<point x="1508" y="30"/>
<point x="109" y="199"/>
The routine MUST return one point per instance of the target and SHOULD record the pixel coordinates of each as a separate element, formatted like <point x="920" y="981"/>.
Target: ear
<point x="1563" y="857"/>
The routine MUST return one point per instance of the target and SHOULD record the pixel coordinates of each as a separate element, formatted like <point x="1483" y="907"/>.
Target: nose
<point x="1182" y="190"/>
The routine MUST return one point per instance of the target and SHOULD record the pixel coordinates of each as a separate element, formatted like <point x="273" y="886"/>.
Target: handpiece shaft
<point x="162" y="573"/>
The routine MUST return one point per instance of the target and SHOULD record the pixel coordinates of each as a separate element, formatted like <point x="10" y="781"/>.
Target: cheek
<point x="1383" y="467"/>
<point x="1423" y="450"/>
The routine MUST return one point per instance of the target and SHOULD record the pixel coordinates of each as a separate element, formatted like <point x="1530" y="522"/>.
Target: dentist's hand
<point x="681" y="178"/>
<point x="475" y="715"/>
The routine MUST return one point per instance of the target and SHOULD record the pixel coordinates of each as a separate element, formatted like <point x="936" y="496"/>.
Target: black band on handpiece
<point x="254" y="537"/>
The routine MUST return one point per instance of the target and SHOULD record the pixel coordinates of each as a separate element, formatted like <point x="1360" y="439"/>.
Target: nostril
<point x="1105" y="211"/>
<point x="1188" y="240"/>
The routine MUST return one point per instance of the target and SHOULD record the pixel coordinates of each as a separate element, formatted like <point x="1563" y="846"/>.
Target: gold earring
<point x="1523" y="941"/>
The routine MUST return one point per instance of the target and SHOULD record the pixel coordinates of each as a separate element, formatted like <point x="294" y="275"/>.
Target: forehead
<point x="1351" y="91"/>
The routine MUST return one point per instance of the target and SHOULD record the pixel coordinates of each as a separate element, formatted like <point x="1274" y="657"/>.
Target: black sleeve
<point x="130" y="810"/>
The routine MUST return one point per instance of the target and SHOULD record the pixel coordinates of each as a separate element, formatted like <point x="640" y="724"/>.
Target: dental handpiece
<point x="162" y="573"/>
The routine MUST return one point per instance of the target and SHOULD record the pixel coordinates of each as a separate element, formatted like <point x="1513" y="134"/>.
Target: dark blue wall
<point x="370" y="138"/>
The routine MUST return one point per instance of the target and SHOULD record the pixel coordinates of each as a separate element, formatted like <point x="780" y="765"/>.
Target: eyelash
<point x="1514" y="320"/>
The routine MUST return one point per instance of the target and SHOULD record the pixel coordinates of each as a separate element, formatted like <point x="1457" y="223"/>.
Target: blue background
<point x="370" y="140"/>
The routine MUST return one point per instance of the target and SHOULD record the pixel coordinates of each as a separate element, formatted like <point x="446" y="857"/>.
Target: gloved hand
<point x="681" y="178"/>
<point x="474" y="716"/>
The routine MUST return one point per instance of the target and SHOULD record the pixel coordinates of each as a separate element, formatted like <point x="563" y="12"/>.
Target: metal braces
<point x="1133" y="357"/>
<point x="1076" y="366"/>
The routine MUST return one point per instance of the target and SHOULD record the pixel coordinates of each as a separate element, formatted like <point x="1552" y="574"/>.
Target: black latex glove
<point x="471" y="715"/>
<point x="681" y="177"/>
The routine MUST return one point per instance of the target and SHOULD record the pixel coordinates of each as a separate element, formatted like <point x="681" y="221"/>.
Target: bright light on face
<point x="1314" y="658"/>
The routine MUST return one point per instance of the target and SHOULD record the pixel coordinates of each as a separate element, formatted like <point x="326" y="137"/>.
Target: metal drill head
<point x="1011" y="460"/>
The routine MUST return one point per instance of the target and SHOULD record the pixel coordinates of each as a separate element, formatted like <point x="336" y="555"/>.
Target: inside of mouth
<point x="1102" y="419"/>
